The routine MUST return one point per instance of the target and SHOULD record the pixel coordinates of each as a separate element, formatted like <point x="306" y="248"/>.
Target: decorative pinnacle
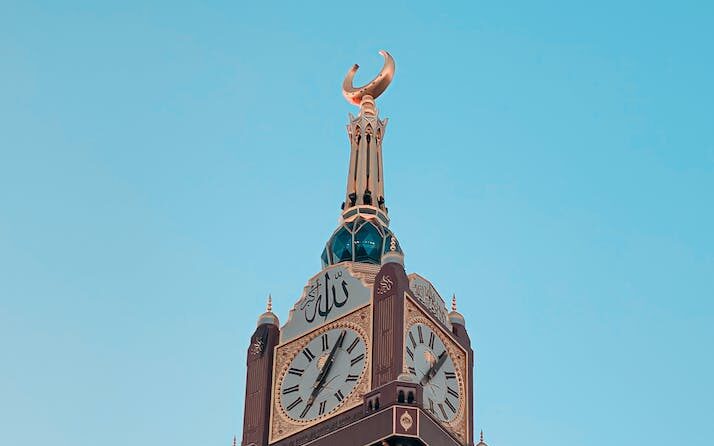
<point x="453" y="302"/>
<point x="374" y="88"/>
<point x="269" y="306"/>
<point x="393" y="244"/>
<point x="235" y="441"/>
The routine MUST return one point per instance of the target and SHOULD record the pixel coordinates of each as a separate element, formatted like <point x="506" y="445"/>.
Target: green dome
<point x="359" y="240"/>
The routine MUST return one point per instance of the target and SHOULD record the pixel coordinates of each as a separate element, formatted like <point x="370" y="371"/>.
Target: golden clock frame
<point x="413" y="314"/>
<point x="281" y="425"/>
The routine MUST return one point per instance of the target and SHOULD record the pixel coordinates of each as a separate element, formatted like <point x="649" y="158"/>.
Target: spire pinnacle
<point x="365" y="182"/>
<point x="356" y="95"/>
<point x="235" y="440"/>
<point x="454" y="316"/>
<point x="481" y="442"/>
<point x="268" y="317"/>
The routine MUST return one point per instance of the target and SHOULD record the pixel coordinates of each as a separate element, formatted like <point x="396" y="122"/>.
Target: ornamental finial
<point x="235" y="441"/>
<point x="269" y="306"/>
<point x="453" y="302"/>
<point x="374" y="88"/>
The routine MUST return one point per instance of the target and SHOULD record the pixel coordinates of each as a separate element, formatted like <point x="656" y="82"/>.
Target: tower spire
<point x="365" y="182"/>
<point x="363" y="233"/>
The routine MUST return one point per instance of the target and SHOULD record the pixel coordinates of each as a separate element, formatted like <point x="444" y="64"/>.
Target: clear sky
<point x="164" y="166"/>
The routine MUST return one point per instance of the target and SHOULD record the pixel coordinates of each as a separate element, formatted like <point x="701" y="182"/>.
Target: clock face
<point x="323" y="374"/>
<point x="429" y="362"/>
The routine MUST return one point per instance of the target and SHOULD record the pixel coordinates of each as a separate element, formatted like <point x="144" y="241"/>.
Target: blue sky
<point x="164" y="166"/>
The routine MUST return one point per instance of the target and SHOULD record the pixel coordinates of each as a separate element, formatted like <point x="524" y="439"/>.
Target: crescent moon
<point x="375" y="87"/>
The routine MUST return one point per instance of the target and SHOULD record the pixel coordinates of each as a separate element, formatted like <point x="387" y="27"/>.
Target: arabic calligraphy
<point x="425" y="292"/>
<point x="385" y="284"/>
<point x="324" y="294"/>
<point x="328" y="295"/>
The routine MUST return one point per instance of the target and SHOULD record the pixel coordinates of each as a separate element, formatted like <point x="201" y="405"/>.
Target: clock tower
<point x="368" y="355"/>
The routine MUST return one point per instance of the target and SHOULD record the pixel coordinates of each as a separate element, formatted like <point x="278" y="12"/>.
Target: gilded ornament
<point x="406" y="421"/>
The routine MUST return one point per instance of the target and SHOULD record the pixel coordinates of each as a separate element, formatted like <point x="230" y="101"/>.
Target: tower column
<point x="256" y="417"/>
<point x="365" y="184"/>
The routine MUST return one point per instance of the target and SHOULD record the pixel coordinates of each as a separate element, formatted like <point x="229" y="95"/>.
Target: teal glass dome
<point x="359" y="240"/>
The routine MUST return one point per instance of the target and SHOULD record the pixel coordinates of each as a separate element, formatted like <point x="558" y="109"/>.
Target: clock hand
<point x="434" y="369"/>
<point x="329" y="381"/>
<point x="320" y="381"/>
<point x="434" y="385"/>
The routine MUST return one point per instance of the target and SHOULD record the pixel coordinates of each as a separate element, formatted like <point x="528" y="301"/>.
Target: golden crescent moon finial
<point x="373" y="88"/>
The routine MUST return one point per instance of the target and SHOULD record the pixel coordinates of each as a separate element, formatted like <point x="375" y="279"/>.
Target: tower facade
<point x="368" y="355"/>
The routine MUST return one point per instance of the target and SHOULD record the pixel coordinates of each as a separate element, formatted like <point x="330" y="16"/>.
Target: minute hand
<point x="434" y="369"/>
<point x="320" y="381"/>
<point x="322" y="376"/>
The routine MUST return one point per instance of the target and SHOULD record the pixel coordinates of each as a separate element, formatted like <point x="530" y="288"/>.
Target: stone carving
<point x="427" y="294"/>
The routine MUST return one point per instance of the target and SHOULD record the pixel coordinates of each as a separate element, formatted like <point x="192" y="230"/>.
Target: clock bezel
<point x="281" y="424"/>
<point x="414" y="314"/>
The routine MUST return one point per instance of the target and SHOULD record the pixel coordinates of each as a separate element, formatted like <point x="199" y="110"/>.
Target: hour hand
<point x="309" y="404"/>
<point x="434" y="369"/>
<point x="326" y="368"/>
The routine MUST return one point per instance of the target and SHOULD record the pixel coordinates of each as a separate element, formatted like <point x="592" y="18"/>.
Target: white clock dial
<point x="323" y="374"/>
<point x="429" y="362"/>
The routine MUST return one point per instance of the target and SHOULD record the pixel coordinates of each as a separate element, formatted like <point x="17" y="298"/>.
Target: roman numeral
<point x="411" y="370"/>
<point x="352" y="345"/>
<point x="442" y="353"/>
<point x="294" y="404"/>
<point x="450" y="375"/>
<point x="339" y="395"/>
<point x="342" y="337"/>
<point x="431" y="340"/>
<point x="452" y="392"/>
<point x="351" y="378"/>
<point x="356" y="359"/>
<point x="451" y="406"/>
<point x="296" y="372"/>
<point x="421" y="335"/>
<point x="322" y="407"/>
<point x="443" y="412"/>
<point x="308" y="354"/>
<point x="325" y="342"/>
<point x="431" y="406"/>
<point x="410" y="353"/>
<point x="291" y="389"/>
<point x="411" y="338"/>
<point x="305" y="410"/>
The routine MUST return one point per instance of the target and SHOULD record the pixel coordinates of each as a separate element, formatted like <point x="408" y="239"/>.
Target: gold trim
<point x="406" y="421"/>
<point x="281" y="425"/>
